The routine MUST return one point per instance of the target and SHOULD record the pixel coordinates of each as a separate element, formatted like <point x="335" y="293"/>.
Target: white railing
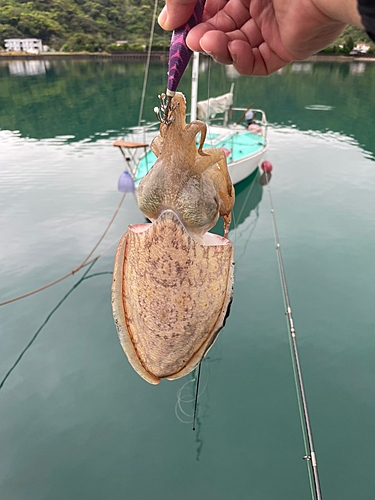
<point x="262" y="122"/>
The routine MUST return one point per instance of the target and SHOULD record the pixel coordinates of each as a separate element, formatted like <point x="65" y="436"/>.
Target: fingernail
<point x="163" y="17"/>
<point x="204" y="50"/>
<point x="232" y="54"/>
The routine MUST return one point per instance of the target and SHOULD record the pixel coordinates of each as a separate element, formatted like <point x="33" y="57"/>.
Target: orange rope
<point x="84" y="263"/>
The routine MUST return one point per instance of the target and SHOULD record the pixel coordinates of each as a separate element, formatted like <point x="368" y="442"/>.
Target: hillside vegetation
<point x="80" y="24"/>
<point x="92" y="25"/>
<point x="348" y="39"/>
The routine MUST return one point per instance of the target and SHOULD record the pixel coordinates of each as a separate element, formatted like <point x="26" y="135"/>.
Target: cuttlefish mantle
<point x="173" y="281"/>
<point x="171" y="296"/>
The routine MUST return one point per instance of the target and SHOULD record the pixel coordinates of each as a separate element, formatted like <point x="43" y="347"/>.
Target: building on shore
<point x="362" y="47"/>
<point x="31" y="45"/>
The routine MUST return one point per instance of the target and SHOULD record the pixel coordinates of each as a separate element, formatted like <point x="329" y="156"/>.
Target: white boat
<point x="244" y="146"/>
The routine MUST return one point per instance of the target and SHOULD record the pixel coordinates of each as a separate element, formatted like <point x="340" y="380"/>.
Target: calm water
<point x="76" y="420"/>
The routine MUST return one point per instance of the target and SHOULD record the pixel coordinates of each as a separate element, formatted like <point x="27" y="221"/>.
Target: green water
<point x="77" y="422"/>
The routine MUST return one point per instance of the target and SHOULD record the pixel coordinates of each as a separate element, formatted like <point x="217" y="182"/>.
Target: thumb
<point x="176" y="13"/>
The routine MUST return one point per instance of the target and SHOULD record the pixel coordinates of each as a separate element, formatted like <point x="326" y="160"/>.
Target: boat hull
<point x="241" y="169"/>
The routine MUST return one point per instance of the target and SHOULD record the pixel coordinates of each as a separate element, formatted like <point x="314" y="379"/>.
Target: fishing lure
<point x="173" y="280"/>
<point x="179" y="56"/>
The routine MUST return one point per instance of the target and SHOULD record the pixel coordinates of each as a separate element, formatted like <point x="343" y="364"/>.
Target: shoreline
<point x="160" y="56"/>
<point x="48" y="56"/>
<point x="340" y="58"/>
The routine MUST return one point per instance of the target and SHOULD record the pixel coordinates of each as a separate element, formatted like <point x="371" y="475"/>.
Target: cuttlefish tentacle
<point x="195" y="184"/>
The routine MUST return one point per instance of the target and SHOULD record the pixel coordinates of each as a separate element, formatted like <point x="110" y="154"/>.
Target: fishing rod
<point x="311" y="458"/>
<point x="179" y="56"/>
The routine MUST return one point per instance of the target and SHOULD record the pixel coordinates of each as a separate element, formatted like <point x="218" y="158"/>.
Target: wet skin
<point x="194" y="184"/>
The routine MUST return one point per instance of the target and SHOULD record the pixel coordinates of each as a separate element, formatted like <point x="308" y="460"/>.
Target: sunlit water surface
<point x="76" y="421"/>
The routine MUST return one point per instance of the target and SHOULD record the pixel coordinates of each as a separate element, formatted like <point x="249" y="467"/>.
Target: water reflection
<point x="249" y="193"/>
<point x="265" y="179"/>
<point x="231" y="72"/>
<point x="300" y="67"/>
<point x="319" y="107"/>
<point x="357" y="68"/>
<point x="95" y="97"/>
<point x="84" y="277"/>
<point x="28" y="68"/>
<point x="184" y="408"/>
<point x="203" y="65"/>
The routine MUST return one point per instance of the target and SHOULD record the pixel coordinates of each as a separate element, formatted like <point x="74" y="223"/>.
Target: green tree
<point x="349" y="43"/>
<point x="102" y="22"/>
<point x="8" y="31"/>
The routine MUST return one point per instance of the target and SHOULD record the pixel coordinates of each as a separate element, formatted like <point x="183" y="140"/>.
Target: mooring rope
<point x="310" y="456"/>
<point x="85" y="276"/>
<point x="20" y="356"/>
<point x="85" y="263"/>
<point x="147" y="63"/>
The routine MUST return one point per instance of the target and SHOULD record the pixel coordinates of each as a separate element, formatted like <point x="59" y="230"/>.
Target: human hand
<point x="260" y="36"/>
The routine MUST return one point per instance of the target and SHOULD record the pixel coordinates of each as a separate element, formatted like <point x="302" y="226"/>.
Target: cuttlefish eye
<point x="171" y="296"/>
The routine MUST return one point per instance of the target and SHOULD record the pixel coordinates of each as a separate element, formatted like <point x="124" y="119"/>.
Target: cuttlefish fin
<point x="119" y="314"/>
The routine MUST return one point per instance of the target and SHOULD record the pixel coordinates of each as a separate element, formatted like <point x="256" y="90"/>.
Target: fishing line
<point x="209" y="72"/>
<point x="30" y="343"/>
<point x="235" y="228"/>
<point x="310" y="456"/>
<point x="250" y="229"/>
<point x="186" y="394"/>
<point x="147" y="63"/>
<point x="85" y="263"/>
<point x="97" y="274"/>
<point x="208" y="89"/>
<point x="105" y="232"/>
<point x="251" y="187"/>
<point x="196" y="395"/>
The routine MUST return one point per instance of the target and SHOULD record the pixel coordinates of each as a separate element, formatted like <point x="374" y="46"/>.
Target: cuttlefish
<point x="173" y="280"/>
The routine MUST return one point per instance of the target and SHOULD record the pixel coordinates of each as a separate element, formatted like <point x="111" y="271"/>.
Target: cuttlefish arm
<point x="173" y="279"/>
<point x="187" y="138"/>
<point x="193" y="182"/>
<point x="215" y="160"/>
<point x="192" y="130"/>
<point x="157" y="142"/>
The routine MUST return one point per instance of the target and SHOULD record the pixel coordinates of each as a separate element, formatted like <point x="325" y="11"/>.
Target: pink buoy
<point x="226" y="151"/>
<point x="254" y="129"/>
<point x="267" y="166"/>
